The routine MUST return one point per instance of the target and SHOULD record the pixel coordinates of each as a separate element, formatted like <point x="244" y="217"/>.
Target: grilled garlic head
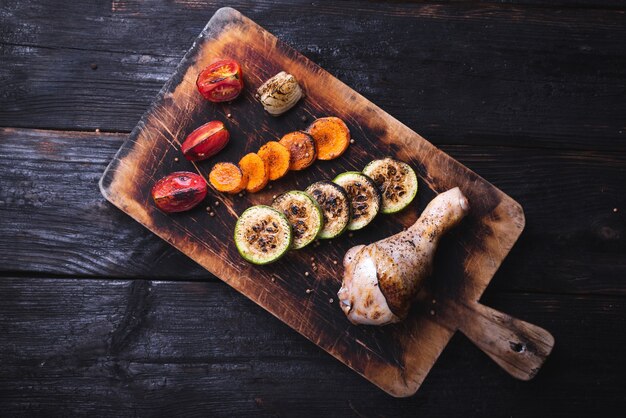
<point x="280" y="93"/>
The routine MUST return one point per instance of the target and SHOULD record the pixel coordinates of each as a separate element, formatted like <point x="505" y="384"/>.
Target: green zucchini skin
<point x="364" y="198"/>
<point x="335" y="205"/>
<point x="262" y="234"/>
<point x="396" y="181"/>
<point x="303" y="213"/>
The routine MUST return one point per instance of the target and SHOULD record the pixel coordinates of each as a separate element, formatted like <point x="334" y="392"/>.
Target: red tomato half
<point x="179" y="191"/>
<point x="221" y="81"/>
<point x="205" y="141"/>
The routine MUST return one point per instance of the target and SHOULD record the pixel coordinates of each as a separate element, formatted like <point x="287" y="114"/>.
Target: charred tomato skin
<point x="205" y="141"/>
<point x="222" y="81"/>
<point x="179" y="191"/>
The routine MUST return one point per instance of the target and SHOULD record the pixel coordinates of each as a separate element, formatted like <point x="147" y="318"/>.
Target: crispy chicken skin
<point x="381" y="279"/>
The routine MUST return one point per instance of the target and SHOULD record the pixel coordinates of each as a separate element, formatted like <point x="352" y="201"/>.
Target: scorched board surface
<point x="398" y="357"/>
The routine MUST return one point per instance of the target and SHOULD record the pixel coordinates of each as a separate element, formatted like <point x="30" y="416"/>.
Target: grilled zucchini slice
<point x="396" y="182"/>
<point x="262" y="234"/>
<point x="303" y="213"/>
<point x="335" y="205"/>
<point x="364" y="198"/>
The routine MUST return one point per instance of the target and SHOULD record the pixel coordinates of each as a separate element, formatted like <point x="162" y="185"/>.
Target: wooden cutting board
<point x="398" y="357"/>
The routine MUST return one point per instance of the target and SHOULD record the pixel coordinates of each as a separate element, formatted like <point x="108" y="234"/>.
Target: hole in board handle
<point x="517" y="347"/>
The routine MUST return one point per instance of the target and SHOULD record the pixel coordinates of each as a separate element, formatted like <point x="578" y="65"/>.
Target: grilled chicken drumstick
<point x="381" y="280"/>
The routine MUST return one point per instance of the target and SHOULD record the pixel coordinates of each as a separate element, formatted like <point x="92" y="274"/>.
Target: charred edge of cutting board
<point x="216" y="24"/>
<point x="383" y="357"/>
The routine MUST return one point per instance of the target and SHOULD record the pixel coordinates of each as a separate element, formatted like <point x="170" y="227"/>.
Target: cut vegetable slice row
<point x="327" y="138"/>
<point x="325" y="210"/>
<point x="304" y="215"/>
<point x="262" y="234"/>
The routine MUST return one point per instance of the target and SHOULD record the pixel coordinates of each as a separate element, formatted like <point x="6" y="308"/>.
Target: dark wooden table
<point x="98" y="316"/>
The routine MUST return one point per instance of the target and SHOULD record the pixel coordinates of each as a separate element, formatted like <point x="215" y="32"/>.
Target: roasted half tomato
<point x="205" y="141"/>
<point x="179" y="191"/>
<point x="221" y="81"/>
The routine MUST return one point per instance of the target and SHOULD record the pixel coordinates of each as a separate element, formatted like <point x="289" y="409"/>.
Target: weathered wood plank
<point x="56" y="222"/>
<point x="469" y="73"/>
<point x="583" y="253"/>
<point x="60" y="182"/>
<point x="395" y="358"/>
<point x="118" y="348"/>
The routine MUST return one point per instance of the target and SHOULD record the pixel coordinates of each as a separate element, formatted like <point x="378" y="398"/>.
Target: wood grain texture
<point x="473" y="73"/>
<point x="558" y="75"/>
<point x="573" y="243"/>
<point x="151" y="348"/>
<point x="396" y="358"/>
<point x="518" y="347"/>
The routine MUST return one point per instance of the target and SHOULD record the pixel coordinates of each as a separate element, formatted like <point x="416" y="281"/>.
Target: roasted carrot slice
<point x="331" y="136"/>
<point x="228" y="178"/>
<point x="302" y="149"/>
<point x="258" y="174"/>
<point x="276" y="158"/>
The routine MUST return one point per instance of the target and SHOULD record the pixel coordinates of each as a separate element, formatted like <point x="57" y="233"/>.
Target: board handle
<point x="517" y="346"/>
